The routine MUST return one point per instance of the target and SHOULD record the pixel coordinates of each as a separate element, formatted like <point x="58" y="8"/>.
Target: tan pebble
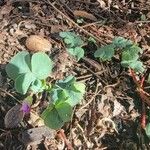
<point x="36" y="43"/>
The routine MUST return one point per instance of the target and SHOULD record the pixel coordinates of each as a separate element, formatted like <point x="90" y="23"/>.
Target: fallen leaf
<point x="35" y="119"/>
<point x="118" y="108"/>
<point x="84" y="14"/>
<point x="14" y="116"/>
<point x="36" y="135"/>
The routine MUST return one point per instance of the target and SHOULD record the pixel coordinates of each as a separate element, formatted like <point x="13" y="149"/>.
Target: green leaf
<point x="137" y="66"/>
<point x="80" y="87"/>
<point x="51" y="118"/>
<point x="92" y="40"/>
<point x="120" y="42"/>
<point x="71" y="91"/>
<point x="133" y="49"/>
<point x="71" y="39"/>
<point x="74" y="96"/>
<point x="64" y="110"/>
<point x="105" y="53"/>
<point x="66" y="82"/>
<point x="55" y="116"/>
<point x="41" y="65"/>
<point x="19" y="64"/>
<point x="78" y="52"/>
<point x="23" y="82"/>
<point x="147" y="130"/>
<point x="36" y="86"/>
<point x="130" y="56"/>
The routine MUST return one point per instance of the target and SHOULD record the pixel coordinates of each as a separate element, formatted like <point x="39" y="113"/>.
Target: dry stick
<point x="62" y="135"/>
<point x="10" y="95"/>
<point x="93" y="97"/>
<point x="86" y="32"/>
<point x="91" y="24"/>
<point x="146" y="21"/>
<point x="90" y="75"/>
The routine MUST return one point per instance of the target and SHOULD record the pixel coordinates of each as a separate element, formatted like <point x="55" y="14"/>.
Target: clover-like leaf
<point x="55" y="116"/>
<point x="130" y="56"/>
<point x="41" y="65"/>
<point x="26" y="72"/>
<point x="71" y="39"/>
<point x="68" y="90"/>
<point x="105" y="53"/>
<point x="37" y="86"/>
<point x="78" y="52"/>
<point x="19" y="64"/>
<point x="23" y="82"/>
<point x="120" y="42"/>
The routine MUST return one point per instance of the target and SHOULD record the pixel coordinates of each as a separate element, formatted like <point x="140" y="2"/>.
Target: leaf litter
<point x="109" y="121"/>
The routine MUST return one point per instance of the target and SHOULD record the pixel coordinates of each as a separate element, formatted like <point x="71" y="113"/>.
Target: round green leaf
<point x="41" y="65"/>
<point x="19" y="64"/>
<point x="51" y="118"/>
<point x="55" y="116"/>
<point x="65" y="111"/>
<point x="79" y="53"/>
<point x="23" y="82"/>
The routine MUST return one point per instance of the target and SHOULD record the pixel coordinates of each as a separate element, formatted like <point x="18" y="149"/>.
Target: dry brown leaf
<point x="118" y="108"/>
<point x="5" y="10"/>
<point x="84" y="14"/>
<point x="14" y="116"/>
<point x="35" y="120"/>
<point x="36" y="135"/>
<point x="102" y="3"/>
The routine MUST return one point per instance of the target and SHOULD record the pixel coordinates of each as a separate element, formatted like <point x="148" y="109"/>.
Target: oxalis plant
<point x="29" y="74"/>
<point x="73" y="44"/>
<point x="130" y="58"/>
<point x="129" y="53"/>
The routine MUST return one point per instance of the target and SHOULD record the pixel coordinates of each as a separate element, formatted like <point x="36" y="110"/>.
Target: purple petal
<point x="25" y="108"/>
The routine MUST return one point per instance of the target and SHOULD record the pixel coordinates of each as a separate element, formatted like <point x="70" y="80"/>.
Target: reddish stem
<point x="62" y="135"/>
<point x="144" y="96"/>
<point x="143" y="117"/>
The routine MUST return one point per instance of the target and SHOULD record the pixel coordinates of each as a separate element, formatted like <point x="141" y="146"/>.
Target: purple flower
<point x="25" y="108"/>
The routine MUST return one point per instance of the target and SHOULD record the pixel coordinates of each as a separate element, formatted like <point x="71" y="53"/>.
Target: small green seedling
<point x="29" y="72"/>
<point x="65" y="94"/>
<point x="130" y="53"/>
<point x="73" y="44"/>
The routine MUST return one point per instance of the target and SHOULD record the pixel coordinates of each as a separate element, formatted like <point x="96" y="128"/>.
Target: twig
<point x="144" y="21"/>
<point x="93" y="97"/>
<point x="90" y="75"/>
<point x="93" y="23"/>
<point x="83" y="30"/>
<point x="10" y="95"/>
<point x="62" y="135"/>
